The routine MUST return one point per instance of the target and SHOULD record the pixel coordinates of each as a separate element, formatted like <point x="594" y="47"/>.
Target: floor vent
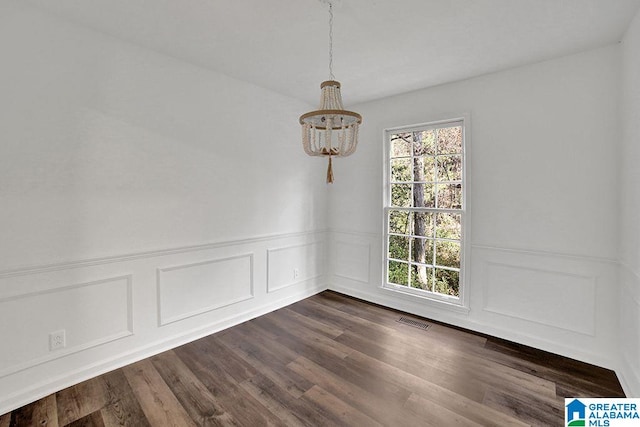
<point x="414" y="323"/>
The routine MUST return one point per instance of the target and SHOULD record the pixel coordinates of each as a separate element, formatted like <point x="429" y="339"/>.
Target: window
<point x="425" y="211"/>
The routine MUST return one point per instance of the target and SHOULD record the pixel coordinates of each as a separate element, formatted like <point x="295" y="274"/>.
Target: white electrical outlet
<point x="57" y="340"/>
<point x="296" y="273"/>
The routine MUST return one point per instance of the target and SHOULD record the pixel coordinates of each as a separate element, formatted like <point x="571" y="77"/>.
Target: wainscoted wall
<point x="291" y="264"/>
<point x="629" y="329"/>
<point x="191" y="289"/>
<point x="90" y="313"/>
<point x="351" y="256"/>
<point x="119" y="309"/>
<point x="556" y="302"/>
<point x="629" y="208"/>
<point x="550" y="301"/>
<point x="510" y="290"/>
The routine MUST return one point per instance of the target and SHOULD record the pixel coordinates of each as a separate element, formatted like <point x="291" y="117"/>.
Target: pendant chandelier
<point x="331" y="130"/>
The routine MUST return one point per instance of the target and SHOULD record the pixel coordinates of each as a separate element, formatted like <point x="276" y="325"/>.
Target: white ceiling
<point x="381" y="47"/>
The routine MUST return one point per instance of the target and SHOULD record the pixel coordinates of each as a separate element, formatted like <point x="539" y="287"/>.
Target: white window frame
<point x="460" y="303"/>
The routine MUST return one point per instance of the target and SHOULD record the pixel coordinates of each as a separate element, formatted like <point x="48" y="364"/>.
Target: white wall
<point x="542" y="202"/>
<point x="629" y="230"/>
<point x="143" y="203"/>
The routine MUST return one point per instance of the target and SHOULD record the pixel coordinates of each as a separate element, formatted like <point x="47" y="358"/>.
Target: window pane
<point x="399" y="222"/>
<point x="423" y="196"/>
<point x="424" y="143"/>
<point x="399" y="247"/>
<point x="399" y="146"/>
<point x="421" y="277"/>
<point x="448" y="254"/>
<point x="448" y="226"/>
<point x="450" y="140"/>
<point x="428" y="166"/>
<point x="422" y="250"/>
<point x="449" y="168"/>
<point x="447" y="282"/>
<point x="423" y="224"/>
<point x="401" y="170"/>
<point x="398" y="273"/>
<point x="450" y="196"/>
<point x="401" y="195"/>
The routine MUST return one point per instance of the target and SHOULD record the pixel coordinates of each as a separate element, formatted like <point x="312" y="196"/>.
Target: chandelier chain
<point x="331" y="76"/>
<point x="330" y="131"/>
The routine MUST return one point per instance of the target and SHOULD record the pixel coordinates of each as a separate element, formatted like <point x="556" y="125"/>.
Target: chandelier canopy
<point x="331" y="130"/>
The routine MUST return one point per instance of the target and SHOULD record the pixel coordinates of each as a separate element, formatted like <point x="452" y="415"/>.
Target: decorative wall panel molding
<point x="44" y="268"/>
<point x="91" y="314"/>
<point x="629" y="330"/>
<point x="629" y="375"/>
<point x="553" y="298"/>
<point x="545" y="254"/>
<point x="630" y="280"/>
<point x="191" y="289"/>
<point x="292" y="264"/>
<point x="629" y="322"/>
<point x="352" y="260"/>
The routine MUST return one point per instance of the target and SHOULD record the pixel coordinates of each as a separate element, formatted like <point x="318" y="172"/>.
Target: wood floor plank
<point x="200" y="404"/>
<point x="436" y="414"/>
<point x="234" y="366"/>
<point x="310" y="323"/>
<point x="80" y="400"/>
<point x="343" y="414"/>
<point x="387" y="331"/>
<point x="430" y="357"/>
<point x="293" y="411"/>
<point x="433" y="359"/>
<point x="273" y="401"/>
<point x="360" y="375"/>
<point x="536" y="412"/>
<point x="455" y="402"/>
<point x="92" y="420"/>
<point x="438" y="354"/>
<point x="561" y="370"/>
<point x="302" y="339"/>
<point x="390" y="327"/>
<point x="235" y="400"/>
<point x="262" y="337"/>
<point x="22" y="416"/>
<point x="373" y="402"/>
<point x="159" y="404"/>
<point x="388" y="317"/>
<point x="264" y="357"/>
<point x="123" y="408"/>
<point x="330" y="360"/>
<point x="414" y="363"/>
<point x="45" y="412"/>
<point x="326" y="314"/>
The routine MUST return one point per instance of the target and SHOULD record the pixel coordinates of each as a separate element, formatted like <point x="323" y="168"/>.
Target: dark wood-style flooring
<point x="326" y="361"/>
